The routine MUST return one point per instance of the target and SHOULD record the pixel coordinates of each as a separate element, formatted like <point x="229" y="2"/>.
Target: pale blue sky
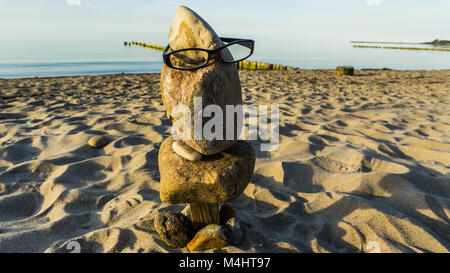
<point x="402" y="20"/>
<point x="283" y="24"/>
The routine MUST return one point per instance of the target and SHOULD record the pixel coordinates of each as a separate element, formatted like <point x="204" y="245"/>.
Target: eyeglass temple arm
<point x="229" y="40"/>
<point x="167" y="49"/>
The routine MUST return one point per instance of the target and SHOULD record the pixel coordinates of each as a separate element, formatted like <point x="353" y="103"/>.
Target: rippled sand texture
<point x="363" y="163"/>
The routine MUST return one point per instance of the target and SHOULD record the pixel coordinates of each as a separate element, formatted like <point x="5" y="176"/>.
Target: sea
<point x="85" y="58"/>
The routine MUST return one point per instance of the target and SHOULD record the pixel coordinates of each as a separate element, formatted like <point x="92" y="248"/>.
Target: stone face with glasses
<point x="201" y="74"/>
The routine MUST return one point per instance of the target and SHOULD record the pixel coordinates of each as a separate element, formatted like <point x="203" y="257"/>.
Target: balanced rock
<point x="217" y="178"/>
<point x="98" y="141"/>
<point x="173" y="228"/>
<point x="210" y="237"/>
<point x="217" y="83"/>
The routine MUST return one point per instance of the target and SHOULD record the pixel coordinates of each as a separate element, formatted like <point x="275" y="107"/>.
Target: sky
<point x="273" y="24"/>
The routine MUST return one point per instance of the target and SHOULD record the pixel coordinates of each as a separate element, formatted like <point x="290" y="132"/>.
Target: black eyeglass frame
<point x="211" y="53"/>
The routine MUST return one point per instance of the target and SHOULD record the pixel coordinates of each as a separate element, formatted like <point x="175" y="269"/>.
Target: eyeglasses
<point x="235" y="50"/>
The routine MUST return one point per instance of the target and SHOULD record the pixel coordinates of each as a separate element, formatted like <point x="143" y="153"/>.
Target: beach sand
<point x="363" y="163"/>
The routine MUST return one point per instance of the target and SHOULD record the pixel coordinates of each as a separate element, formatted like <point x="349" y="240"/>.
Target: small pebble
<point x="98" y="141"/>
<point x="210" y="237"/>
<point x="185" y="151"/>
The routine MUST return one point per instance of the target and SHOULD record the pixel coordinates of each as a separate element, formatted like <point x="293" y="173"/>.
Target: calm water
<point x="85" y="58"/>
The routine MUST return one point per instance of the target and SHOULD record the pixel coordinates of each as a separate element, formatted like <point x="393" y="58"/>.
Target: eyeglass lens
<point x="192" y="58"/>
<point x="239" y="51"/>
<point x="189" y="58"/>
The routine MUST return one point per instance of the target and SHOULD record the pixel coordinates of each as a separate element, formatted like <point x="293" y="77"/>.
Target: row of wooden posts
<point x="250" y="65"/>
<point x="155" y="47"/>
<point x="243" y="65"/>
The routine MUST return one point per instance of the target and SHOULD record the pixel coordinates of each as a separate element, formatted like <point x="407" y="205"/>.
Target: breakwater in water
<point x="403" y="48"/>
<point x="243" y="65"/>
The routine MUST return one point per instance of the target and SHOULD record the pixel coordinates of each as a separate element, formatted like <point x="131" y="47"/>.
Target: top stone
<point x="190" y="30"/>
<point x="216" y="84"/>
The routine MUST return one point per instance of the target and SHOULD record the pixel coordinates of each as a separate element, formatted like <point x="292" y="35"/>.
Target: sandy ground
<point x="363" y="164"/>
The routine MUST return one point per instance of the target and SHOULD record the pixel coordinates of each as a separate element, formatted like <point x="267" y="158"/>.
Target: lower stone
<point x="217" y="178"/>
<point x="173" y="228"/>
<point x="212" y="236"/>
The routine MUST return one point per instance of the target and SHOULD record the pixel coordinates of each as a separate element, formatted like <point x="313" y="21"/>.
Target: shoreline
<point x="294" y="69"/>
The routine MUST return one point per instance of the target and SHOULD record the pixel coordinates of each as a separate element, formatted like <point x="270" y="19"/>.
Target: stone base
<point x="218" y="178"/>
<point x="178" y="231"/>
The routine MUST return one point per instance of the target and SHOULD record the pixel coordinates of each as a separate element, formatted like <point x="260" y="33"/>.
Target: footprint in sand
<point x="22" y="150"/>
<point x="341" y="161"/>
<point x="19" y="206"/>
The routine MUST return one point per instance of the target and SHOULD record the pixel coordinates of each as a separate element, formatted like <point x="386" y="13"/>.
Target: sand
<point x="363" y="164"/>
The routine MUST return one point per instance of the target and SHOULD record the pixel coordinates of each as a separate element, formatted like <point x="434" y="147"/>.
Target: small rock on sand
<point x="345" y="70"/>
<point x="98" y="141"/>
<point x="210" y="237"/>
<point x="173" y="228"/>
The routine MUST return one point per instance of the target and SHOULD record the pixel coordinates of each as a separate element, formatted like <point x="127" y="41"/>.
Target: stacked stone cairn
<point x="198" y="171"/>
